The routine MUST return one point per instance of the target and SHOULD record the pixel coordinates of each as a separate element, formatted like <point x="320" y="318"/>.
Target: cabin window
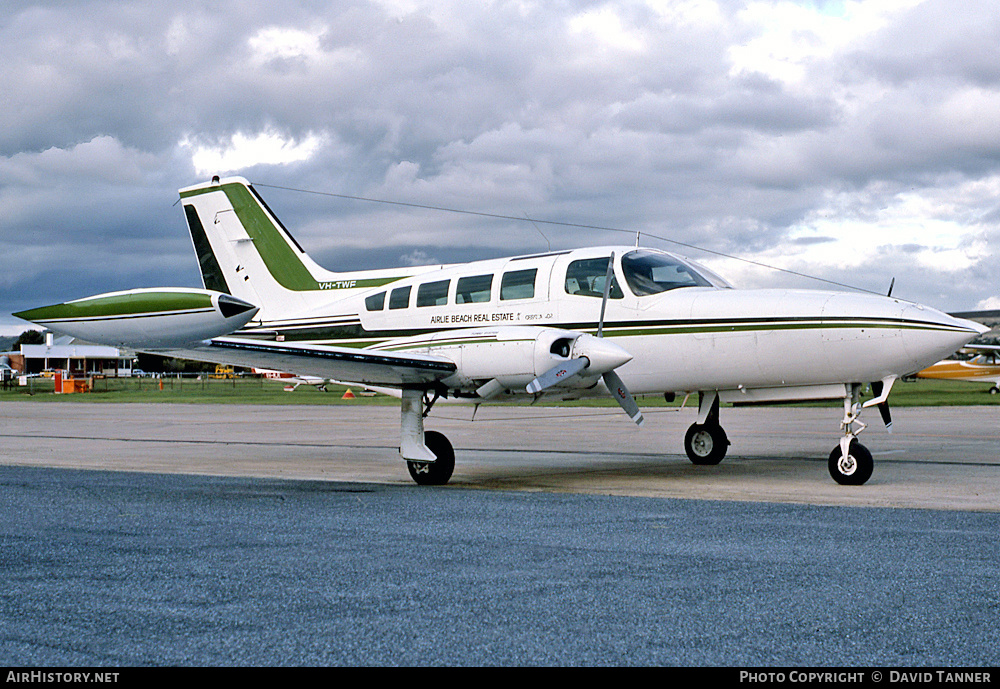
<point x="649" y="272"/>
<point x="399" y="298"/>
<point x="473" y="290"/>
<point x="518" y="284"/>
<point x="586" y="278"/>
<point x="433" y="293"/>
<point x="375" y="302"/>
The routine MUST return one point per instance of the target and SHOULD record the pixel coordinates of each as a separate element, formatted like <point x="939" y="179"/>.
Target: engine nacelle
<point x="146" y="318"/>
<point x="493" y="360"/>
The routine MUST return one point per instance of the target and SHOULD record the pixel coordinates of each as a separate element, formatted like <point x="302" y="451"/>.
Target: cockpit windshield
<point x="651" y="272"/>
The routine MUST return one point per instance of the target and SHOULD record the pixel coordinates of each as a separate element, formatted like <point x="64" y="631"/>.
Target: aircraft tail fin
<point x="245" y="251"/>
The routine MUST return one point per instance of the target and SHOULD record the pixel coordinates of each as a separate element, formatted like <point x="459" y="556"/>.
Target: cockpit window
<point x="586" y="278"/>
<point x="652" y="272"/>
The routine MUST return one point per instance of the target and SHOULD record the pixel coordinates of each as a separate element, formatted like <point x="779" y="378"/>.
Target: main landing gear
<point x="429" y="455"/>
<point x="438" y="472"/>
<point x="706" y="442"/>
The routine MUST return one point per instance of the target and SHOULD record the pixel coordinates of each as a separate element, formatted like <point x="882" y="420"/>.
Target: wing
<point x="322" y="361"/>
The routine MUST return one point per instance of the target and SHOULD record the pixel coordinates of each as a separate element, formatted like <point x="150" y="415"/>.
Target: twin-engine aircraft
<point x="564" y="324"/>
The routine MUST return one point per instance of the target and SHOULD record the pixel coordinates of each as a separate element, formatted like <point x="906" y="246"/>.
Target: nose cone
<point x="603" y="355"/>
<point x="930" y="335"/>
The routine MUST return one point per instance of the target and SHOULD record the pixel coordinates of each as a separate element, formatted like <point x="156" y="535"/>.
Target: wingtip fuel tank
<point x="146" y="318"/>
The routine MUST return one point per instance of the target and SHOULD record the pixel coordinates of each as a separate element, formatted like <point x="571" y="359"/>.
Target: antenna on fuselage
<point x="539" y="231"/>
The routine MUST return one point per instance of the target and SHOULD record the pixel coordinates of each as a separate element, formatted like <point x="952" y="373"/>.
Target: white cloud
<point x="915" y="223"/>
<point x="281" y="43"/>
<point x="103" y="158"/>
<point x="417" y="257"/>
<point x="244" y="151"/>
<point x="605" y="27"/>
<point x="790" y="37"/>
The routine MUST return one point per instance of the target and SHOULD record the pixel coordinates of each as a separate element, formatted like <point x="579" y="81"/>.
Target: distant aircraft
<point x="982" y="368"/>
<point x="291" y="380"/>
<point x="560" y="324"/>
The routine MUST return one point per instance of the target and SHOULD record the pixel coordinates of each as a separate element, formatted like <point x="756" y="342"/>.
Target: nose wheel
<point x="851" y="468"/>
<point x="851" y="463"/>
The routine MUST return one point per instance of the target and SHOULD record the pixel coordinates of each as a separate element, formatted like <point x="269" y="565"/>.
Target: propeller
<point x="558" y="374"/>
<point x="597" y="355"/>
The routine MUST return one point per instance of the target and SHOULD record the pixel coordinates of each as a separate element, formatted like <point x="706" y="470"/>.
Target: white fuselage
<point x="691" y="338"/>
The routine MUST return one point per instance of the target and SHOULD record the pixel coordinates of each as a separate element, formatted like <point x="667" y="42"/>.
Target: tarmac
<point x="936" y="458"/>
<point x="238" y="535"/>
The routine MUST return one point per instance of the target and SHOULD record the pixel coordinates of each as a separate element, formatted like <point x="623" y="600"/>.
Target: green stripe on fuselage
<point x="354" y="334"/>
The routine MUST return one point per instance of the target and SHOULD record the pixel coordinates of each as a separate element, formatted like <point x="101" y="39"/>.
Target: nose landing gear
<point x="851" y="463"/>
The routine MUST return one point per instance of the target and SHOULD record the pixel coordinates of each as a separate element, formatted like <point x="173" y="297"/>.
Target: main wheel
<point x="705" y="443"/>
<point x="438" y="472"/>
<point x="854" y="469"/>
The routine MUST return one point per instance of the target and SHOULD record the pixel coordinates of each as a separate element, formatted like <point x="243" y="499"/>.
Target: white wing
<point x="322" y="361"/>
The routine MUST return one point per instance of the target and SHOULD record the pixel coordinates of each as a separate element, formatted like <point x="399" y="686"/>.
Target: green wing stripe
<point x="119" y="305"/>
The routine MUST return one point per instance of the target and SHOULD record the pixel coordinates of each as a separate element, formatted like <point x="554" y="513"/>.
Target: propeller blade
<point x="557" y="374"/>
<point x="886" y="415"/>
<point x="623" y="396"/>
<point x="883" y="406"/>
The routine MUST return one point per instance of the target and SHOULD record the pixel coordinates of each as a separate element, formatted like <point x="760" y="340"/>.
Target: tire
<point x="705" y="444"/>
<point x="435" y="473"/>
<point x="855" y="469"/>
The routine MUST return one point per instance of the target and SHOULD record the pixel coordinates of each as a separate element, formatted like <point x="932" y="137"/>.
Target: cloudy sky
<point x="852" y="141"/>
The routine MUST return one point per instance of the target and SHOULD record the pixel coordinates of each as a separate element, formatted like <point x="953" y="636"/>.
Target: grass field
<point x="261" y="391"/>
